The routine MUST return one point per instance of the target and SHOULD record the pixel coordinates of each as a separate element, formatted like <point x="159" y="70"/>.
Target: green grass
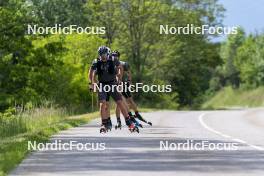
<point x="38" y="125"/>
<point x="230" y="98"/>
<point x="13" y="122"/>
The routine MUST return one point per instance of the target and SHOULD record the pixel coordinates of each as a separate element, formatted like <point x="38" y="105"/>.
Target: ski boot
<point x="109" y="124"/>
<point x="136" y="122"/>
<point x="119" y="125"/>
<point x="137" y="115"/>
<point x="131" y="126"/>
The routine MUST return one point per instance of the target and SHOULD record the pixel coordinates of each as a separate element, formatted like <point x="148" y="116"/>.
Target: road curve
<point x="139" y="154"/>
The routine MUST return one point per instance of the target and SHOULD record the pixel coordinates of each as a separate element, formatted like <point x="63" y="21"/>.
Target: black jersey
<point x="106" y="70"/>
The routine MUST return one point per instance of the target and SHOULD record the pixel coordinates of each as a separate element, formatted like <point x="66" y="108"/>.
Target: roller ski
<point x="109" y="124"/>
<point x="131" y="126"/>
<point x="137" y="124"/>
<point x="139" y="117"/>
<point x="119" y="125"/>
<point x="106" y="127"/>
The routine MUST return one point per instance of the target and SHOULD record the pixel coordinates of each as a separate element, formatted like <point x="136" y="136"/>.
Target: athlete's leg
<point x="103" y="107"/>
<point x="132" y="104"/>
<point x="109" y="122"/>
<point x="118" y="108"/>
<point x="135" y="109"/>
<point x="108" y="111"/>
<point x="125" y="95"/>
<point x="108" y="108"/>
<point x="108" y="104"/>
<point x="118" y="114"/>
<point x="102" y="96"/>
<point x="124" y="110"/>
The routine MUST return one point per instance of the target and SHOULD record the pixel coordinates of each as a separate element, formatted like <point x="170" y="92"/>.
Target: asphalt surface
<point x="142" y="154"/>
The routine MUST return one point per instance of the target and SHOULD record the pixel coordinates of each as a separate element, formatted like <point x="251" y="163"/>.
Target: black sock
<point x="130" y="114"/>
<point x="104" y="121"/>
<point x="128" y="122"/>
<point x="109" y="121"/>
<point x="118" y="119"/>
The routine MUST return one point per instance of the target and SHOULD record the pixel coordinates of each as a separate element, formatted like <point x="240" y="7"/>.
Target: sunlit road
<point x="139" y="154"/>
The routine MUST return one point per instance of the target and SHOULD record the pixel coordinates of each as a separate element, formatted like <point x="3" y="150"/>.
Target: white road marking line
<point x="240" y="141"/>
<point x="224" y="135"/>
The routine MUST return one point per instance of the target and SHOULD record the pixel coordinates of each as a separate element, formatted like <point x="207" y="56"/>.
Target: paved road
<point x="140" y="154"/>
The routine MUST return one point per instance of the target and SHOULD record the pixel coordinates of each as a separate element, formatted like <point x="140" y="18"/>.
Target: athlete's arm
<point x="121" y="72"/>
<point x="92" y="75"/>
<point x="93" y="80"/>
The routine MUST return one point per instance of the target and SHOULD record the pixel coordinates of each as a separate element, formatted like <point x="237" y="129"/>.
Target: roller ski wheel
<point x="136" y="129"/>
<point x="137" y="124"/>
<point x="132" y="128"/>
<point x="140" y="125"/>
<point x="103" y="129"/>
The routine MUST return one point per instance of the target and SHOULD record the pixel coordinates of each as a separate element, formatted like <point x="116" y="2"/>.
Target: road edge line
<point x="201" y="120"/>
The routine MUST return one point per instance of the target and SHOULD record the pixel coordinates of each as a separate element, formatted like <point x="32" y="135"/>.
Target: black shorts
<point x="105" y="96"/>
<point x="126" y="93"/>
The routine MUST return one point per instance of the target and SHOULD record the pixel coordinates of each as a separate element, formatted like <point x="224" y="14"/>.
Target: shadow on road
<point x="142" y="154"/>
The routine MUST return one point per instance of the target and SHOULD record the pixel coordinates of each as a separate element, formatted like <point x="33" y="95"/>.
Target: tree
<point x="64" y="12"/>
<point x="250" y="61"/>
<point x="228" y="53"/>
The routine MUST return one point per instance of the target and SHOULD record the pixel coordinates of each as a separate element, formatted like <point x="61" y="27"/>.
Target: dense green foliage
<point x="54" y="67"/>
<point x="243" y="59"/>
<point x="50" y="70"/>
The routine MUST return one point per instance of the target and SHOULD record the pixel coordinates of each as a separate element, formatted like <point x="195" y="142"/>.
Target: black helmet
<point x="103" y="50"/>
<point x="116" y="53"/>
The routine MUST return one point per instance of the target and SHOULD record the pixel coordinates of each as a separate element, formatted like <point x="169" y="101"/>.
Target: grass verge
<point x="13" y="149"/>
<point x="236" y="98"/>
<point x="36" y="125"/>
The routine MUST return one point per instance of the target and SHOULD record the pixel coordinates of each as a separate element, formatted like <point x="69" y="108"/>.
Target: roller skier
<point x="104" y="68"/>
